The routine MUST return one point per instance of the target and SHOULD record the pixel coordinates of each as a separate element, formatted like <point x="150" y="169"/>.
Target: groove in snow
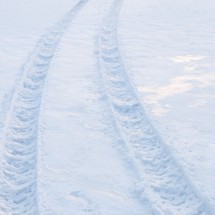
<point x="168" y="188"/>
<point x="18" y="191"/>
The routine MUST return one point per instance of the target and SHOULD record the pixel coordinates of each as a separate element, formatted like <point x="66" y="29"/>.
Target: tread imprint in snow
<point x="18" y="191"/>
<point x="168" y="189"/>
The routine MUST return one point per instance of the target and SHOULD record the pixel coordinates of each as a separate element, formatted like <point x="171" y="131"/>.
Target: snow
<point x="169" y="52"/>
<point x="111" y="104"/>
<point x="89" y="177"/>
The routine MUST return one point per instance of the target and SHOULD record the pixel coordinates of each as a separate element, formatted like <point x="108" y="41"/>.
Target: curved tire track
<point x="18" y="191"/>
<point x="169" y="190"/>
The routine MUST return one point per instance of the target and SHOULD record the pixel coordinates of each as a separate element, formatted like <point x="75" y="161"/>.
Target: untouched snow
<point x="107" y="107"/>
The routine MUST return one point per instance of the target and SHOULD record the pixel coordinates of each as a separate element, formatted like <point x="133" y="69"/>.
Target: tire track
<point x="18" y="191"/>
<point x="168" y="188"/>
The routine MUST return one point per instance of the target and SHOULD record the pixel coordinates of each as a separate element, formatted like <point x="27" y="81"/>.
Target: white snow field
<point x="107" y="107"/>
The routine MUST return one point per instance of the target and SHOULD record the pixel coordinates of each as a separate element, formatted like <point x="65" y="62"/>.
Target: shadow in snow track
<point x="18" y="191"/>
<point x="168" y="189"/>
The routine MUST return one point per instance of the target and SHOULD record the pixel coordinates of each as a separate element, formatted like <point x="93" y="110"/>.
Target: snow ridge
<point x="168" y="188"/>
<point x="18" y="191"/>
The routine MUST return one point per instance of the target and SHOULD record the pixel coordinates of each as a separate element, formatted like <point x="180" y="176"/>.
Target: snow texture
<point x="93" y="121"/>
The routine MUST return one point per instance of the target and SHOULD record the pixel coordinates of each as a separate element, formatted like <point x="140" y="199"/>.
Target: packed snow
<point x="107" y="107"/>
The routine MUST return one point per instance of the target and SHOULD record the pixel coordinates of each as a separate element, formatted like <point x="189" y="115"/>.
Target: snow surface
<point x="168" y="48"/>
<point x="107" y="107"/>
